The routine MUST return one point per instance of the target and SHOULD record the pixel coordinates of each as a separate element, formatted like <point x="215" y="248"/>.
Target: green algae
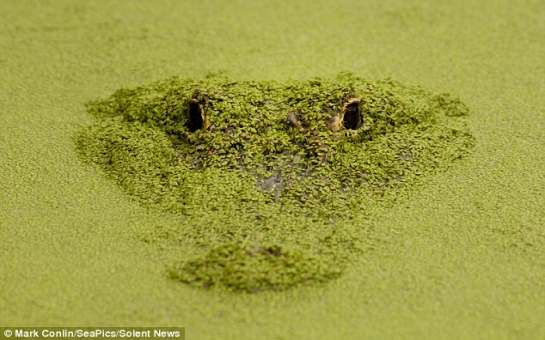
<point x="254" y="154"/>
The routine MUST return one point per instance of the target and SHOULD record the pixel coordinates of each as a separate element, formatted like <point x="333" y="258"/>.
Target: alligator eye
<point x="195" y="115"/>
<point x="352" y="118"/>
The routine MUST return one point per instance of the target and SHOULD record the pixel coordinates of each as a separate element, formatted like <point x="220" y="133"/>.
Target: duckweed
<point x="255" y="268"/>
<point x="294" y="143"/>
<point x="237" y="159"/>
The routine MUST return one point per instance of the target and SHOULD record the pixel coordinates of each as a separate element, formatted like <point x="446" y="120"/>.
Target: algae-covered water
<point x="450" y="247"/>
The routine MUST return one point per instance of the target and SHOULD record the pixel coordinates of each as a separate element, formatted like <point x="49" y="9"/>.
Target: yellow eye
<point x="196" y="117"/>
<point x="352" y="118"/>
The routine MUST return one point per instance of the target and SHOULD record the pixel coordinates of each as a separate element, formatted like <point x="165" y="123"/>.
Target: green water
<point x="459" y="256"/>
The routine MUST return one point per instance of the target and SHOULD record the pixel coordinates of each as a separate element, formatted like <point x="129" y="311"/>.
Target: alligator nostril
<point x="195" y="116"/>
<point x="352" y="118"/>
<point x="292" y="119"/>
